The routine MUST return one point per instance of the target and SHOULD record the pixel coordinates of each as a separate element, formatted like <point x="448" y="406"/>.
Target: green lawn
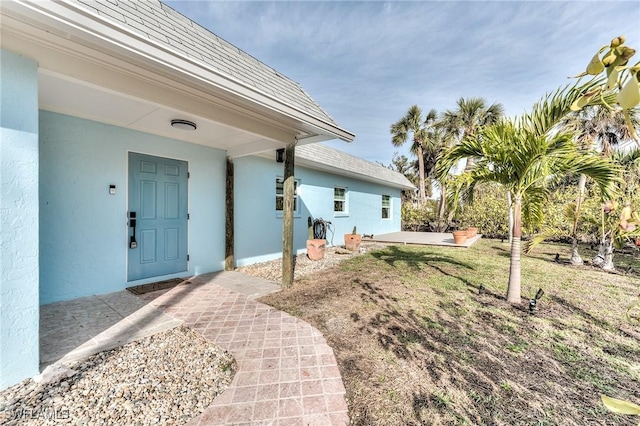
<point x="423" y="336"/>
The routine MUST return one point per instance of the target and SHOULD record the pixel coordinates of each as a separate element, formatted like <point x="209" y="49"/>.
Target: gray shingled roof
<point x="159" y="23"/>
<point x="322" y="155"/>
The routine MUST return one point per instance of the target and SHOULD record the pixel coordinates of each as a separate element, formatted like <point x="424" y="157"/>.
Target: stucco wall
<point x="258" y="234"/>
<point x="19" y="313"/>
<point x="83" y="238"/>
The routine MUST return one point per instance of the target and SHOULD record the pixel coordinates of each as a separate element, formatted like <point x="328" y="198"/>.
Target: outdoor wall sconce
<point x="183" y="124"/>
<point x="280" y="155"/>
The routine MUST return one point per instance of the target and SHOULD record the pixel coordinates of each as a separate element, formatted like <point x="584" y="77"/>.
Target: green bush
<point x="488" y="212"/>
<point x="417" y="218"/>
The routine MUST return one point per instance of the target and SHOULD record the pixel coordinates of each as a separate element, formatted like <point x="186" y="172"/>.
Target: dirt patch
<point x="423" y="336"/>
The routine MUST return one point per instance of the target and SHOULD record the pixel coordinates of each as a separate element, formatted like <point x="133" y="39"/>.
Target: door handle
<point x="132" y="224"/>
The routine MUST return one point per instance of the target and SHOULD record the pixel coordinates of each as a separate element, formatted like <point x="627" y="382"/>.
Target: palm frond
<point x="540" y="238"/>
<point x="552" y="108"/>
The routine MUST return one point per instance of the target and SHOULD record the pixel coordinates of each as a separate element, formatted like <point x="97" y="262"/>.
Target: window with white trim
<point x="280" y="196"/>
<point x="340" y="200"/>
<point x="386" y="207"/>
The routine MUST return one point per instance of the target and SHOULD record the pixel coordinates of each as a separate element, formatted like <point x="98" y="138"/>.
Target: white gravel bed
<point x="272" y="270"/>
<point x="168" y="378"/>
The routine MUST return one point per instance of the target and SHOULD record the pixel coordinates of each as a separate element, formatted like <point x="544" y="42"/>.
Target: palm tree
<point x="470" y="116"/>
<point x="621" y="225"/>
<point x="603" y="129"/>
<point x="414" y="125"/>
<point x="524" y="156"/>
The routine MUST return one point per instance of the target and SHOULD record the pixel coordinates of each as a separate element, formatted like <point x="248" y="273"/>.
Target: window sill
<point x="340" y="214"/>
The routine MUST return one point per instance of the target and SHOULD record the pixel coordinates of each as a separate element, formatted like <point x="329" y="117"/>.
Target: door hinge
<point x="188" y="175"/>
<point x="188" y="216"/>
<point x="187" y="258"/>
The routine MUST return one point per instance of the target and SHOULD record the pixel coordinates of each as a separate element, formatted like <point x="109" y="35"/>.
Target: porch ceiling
<point x="76" y="98"/>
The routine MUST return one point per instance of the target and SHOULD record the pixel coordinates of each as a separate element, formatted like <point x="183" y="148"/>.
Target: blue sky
<point x="366" y="63"/>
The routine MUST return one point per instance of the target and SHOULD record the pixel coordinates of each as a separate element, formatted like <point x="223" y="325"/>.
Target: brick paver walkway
<point x="287" y="374"/>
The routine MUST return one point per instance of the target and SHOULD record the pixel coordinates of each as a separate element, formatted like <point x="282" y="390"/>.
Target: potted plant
<point x="315" y="246"/>
<point x="459" y="236"/>
<point x="472" y="232"/>
<point x="352" y="241"/>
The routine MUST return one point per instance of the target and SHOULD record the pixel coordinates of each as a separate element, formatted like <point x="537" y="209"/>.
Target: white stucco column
<point x="19" y="246"/>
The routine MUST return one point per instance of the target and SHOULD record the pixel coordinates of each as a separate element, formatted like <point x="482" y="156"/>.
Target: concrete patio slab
<point x="423" y="238"/>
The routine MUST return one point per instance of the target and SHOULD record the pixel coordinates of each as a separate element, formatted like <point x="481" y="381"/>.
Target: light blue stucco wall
<point x="19" y="310"/>
<point x="258" y="235"/>
<point x="84" y="233"/>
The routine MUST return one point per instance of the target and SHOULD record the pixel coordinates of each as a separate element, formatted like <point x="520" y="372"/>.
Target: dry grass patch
<point x="423" y="336"/>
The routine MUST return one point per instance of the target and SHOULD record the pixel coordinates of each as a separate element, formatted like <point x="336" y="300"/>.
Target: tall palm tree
<point x="415" y="126"/>
<point x="470" y="116"/>
<point x="596" y="128"/>
<point x="524" y="156"/>
<point x="600" y="128"/>
<point x="620" y="227"/>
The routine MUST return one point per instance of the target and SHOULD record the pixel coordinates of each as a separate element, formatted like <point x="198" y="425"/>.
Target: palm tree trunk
<point x="468" y="164"/>
<point x="598" y="259"/>
<point x="510" y="206"/>
<point x="575" y="256"/>
<point x="442" y="207"/>
<point x="608" y="265"/>
<point x="423" y="195"/>
<point x="515" y="276"/>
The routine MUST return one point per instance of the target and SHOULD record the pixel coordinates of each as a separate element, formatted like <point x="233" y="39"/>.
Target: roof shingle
<point x="333" y="158"/>
<point x="158" y="22"/>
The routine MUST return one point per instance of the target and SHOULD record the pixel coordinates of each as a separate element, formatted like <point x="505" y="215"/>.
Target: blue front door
<point x="158" y="209"/>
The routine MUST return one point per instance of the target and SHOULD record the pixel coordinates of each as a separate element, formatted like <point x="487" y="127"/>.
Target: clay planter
<point x="472" y="232"/>
<point x="352" y="241"/>
<point x="460" y="237"/>
<point x="316" y="248"/>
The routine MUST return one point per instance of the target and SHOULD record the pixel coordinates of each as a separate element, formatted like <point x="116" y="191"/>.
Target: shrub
<point x="488" y="212"/>
<point x="417" y="218"/>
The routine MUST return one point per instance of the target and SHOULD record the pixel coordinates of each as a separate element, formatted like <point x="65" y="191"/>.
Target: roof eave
<point x="347" y="173"/>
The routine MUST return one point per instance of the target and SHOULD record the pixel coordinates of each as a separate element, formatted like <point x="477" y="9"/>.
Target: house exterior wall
<point x="258" y="235"/>
<point x="84" y="232"/>
<point x="19" y="310"/>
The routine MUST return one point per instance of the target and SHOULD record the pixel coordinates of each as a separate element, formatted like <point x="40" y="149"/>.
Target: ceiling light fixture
<point x="183" y="124"/>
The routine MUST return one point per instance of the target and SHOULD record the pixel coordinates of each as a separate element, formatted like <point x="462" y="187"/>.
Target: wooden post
<point x="287" y="216"/>
<point x="229" y="260"/>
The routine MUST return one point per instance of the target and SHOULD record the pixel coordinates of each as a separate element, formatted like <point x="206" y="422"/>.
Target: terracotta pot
<point x="316" y="248"/>
<point x="352" y="241"/>
<point x="472" y="232"/>
<point x="460" y="237"/>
